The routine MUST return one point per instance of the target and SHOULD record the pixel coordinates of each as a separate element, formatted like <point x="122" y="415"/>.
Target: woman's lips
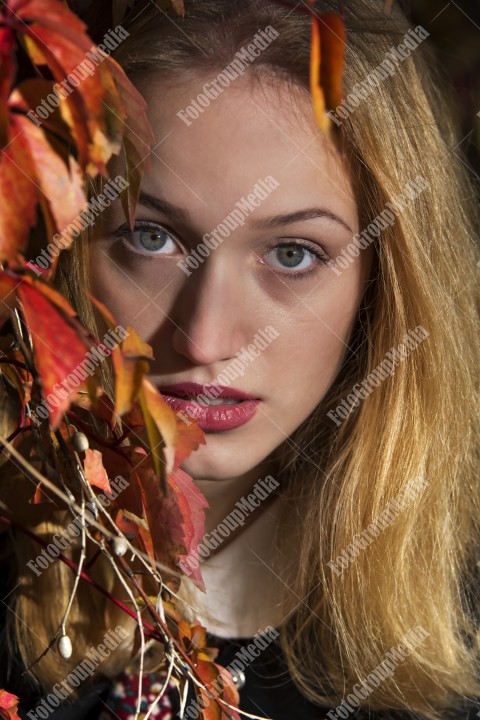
<point x="211" y="418"/>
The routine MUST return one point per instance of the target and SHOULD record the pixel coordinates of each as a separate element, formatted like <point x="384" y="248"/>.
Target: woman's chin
<point x="214" y="462"/>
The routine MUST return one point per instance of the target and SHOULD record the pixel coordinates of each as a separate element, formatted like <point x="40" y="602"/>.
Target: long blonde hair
<point x="420" y="423"/>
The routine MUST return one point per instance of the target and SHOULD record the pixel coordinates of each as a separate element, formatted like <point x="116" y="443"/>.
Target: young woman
<point x="314" y="305"/>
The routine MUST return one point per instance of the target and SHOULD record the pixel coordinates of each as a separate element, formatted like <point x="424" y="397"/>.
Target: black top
<point x="268" y="691"/>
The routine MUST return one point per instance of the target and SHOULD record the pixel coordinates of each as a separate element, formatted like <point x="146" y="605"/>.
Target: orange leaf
<point x="332" y="29"/>
<point x="220" y="684"/>
<point x="129" y="373"/>
<point x="130" y="363"/>
<point x="190" y="437"/>
<point x="161" y="425"/>
<point x="95" y="471"/>
<point x="327" y="59"/>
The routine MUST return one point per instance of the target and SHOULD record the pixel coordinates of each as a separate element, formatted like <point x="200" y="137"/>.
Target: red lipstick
<point x="216" y="407"/>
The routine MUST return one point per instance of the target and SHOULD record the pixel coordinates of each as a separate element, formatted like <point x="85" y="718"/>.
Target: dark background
<point x="454" y="28"/>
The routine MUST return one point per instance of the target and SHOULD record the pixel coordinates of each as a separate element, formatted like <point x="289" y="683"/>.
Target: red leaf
<point x="60" y="343"/>
<point x="175" y="519"/>
<point x="125" y="462"/>
<point x="61" y="186"/>
<point x="56" y="37"/>
<point x="192" y="504"/>
<point x="7" y="48"/>
<point x="9" y="705"/>
<point x="58" y="347"/>
<point x="130" y="363"/>
<point x="18" y="194"/>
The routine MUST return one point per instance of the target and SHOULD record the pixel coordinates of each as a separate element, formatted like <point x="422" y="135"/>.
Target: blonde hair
<point x="418" y="425"/>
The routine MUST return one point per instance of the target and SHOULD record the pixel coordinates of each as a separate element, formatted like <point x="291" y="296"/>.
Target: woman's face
<point x="254" y="172"/>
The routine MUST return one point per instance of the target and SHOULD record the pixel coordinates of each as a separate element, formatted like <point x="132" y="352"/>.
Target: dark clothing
<point x="268" y="691"/>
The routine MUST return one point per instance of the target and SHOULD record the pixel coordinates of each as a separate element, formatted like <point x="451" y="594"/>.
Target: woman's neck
<point x="247" y="577"/>
<point x="223" y="495"/>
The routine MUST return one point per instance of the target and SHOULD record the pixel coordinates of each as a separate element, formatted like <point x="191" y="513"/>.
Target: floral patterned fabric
<point x="122" y="699"/>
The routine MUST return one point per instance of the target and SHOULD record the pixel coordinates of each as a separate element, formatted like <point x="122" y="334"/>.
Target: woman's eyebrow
<point x="307" y="214"/>
<point x="162" y="206"/>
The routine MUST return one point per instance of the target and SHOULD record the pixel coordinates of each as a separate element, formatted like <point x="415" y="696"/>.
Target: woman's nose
<point x="211" y="317"/>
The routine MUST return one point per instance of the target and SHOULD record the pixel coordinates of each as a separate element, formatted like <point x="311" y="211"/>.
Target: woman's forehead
<point x="246" y="135"/>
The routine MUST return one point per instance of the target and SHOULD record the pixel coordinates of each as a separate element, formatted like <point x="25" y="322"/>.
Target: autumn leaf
<point x="32" y="172"/>
<point x="172" y="504"/>
<point x="332" y="33"/>
<point x="98" y="109"/>
<point x="126" y="461"/>
<point x="130" y="362"/>
<point x="166" y="431"/>
<point x="60" y="343"/>
<point x="163" y="513"/>
<point x="95" y="471"/>
<point x="161" y="426"/>
<point x="18" y="193"/>
<point x="138" y="137"/>
<point x="326" y="64"/>
<point x="192" y="505"/>
<point x="220" y="684"/>
<point x="8" y="706"/>
<point x="56" y="37"/>
<point x="175" y="516"/>
<point x="7" y="63"/>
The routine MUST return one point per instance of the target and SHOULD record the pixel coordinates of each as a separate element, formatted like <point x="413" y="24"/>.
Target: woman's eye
<point x="294" y="256"/>
<point x="149" y="239"/>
